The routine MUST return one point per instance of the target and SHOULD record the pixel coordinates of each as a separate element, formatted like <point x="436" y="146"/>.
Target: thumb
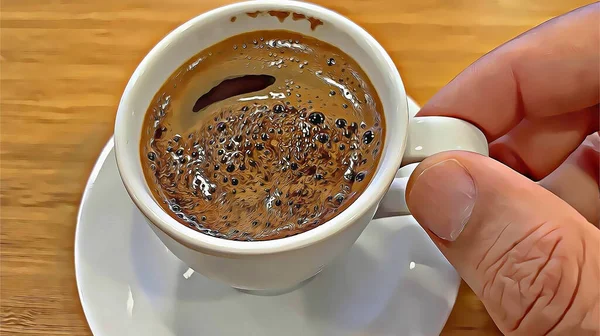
<point x="530" y="257"/>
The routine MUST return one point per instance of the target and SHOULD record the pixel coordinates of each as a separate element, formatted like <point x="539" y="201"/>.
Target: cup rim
<point x="195" y="240"/>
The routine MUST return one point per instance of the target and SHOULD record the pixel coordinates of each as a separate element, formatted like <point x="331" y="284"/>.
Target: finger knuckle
<point x="525" y="279"/>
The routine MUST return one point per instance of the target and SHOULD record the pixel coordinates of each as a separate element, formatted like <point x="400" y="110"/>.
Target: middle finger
<point x="535" y="148"/>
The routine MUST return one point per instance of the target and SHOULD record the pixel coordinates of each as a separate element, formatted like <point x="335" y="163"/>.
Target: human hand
<point x="532" y="258"/>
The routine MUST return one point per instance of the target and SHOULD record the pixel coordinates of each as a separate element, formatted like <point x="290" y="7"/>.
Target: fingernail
<point x="442" y="198"/>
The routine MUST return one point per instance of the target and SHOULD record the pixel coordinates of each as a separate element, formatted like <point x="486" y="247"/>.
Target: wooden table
<point x="64" y="65"/>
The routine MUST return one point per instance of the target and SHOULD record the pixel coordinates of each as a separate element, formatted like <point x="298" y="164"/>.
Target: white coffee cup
<point x="282" y="263"/>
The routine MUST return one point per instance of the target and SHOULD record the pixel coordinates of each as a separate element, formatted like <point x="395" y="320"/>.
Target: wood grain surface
<point x="63" y="67"/>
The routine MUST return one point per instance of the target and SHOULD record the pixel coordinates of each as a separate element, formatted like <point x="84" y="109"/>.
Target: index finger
<point x="550" y="70"/>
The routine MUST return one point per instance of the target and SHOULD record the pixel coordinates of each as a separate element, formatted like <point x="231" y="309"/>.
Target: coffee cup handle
<point x="428" y="136"/>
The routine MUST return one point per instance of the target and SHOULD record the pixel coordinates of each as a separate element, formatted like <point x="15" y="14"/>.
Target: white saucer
<point x="393" y="281"/>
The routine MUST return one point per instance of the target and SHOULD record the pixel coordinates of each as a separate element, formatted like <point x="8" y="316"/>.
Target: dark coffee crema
<point x="262" y="136"/>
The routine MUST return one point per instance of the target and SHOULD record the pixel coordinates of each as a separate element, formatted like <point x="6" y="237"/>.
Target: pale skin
<point x="522" y="230"/>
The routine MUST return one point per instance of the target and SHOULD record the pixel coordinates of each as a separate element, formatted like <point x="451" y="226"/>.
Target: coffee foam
<point x="266" y="164"/>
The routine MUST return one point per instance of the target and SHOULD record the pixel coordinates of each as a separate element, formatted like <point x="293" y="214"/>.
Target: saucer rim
<point x="106" y="150"/>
